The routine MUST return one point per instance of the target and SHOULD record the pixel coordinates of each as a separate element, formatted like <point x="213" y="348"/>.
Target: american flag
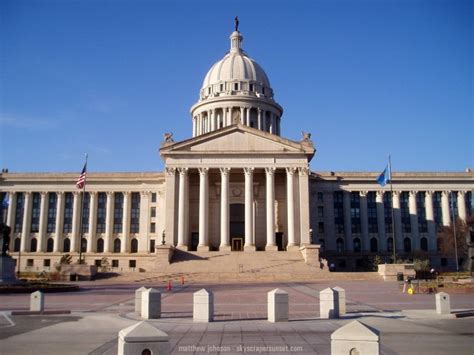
<point x="81" y="180"/>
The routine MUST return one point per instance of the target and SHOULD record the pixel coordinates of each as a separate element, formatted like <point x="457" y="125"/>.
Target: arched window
<point x="134" y="245"/>
<point x="357" y="246"/>
<point x="374" y="245"/>
<point x="340" y="245"/>
<point x="100" y="245"/>
<point x="16" y="244"/>
<point x="407" y="245"/>
<point x="390" y="244"/>
<point x="49" y="245"/>
<point x="67" y="245"/>
<point x="84" y="245"/>
<point x="424" y="244"/>
<point x="33" y="245"/>
<point x="117" y="245"/>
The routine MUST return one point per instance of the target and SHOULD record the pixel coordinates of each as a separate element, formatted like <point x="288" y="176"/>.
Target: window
<point x="222" y="87"/>
<point x="236" y="86"/>
<point x="100" y="245"/>
<point x="118" y="212"/>
<point x="374" y="245"/>
<point x="98" y="262"/>
<point x="152" y="227"/>
<point x="84" y="245"/>
<point x="320" y="227"/>
<point x="115" y="263"/>
<point x="251" y="87"/>
<point x="3" y="209"/>
<point x="68" y="206"/>
<point x="67" y="245"/>
<point x="263" y="90"/>
<point x="387" y="208"/>
<point x="320" y="211"/>
<point x="52" y="208"/>
<point x="117" y="245"/>
<point x="20" y="207"/>
<point x="340" y="245"/>
<point x="153" y="197"/>
<point x="152" y="245"/>
<point x="372" y="212"/>
<point x="357" y="246"/>
<point x="405" y="212"/>
<point x="338" y="212"/>
<point x="33" y="245"/>
<point x="424" y="244"/>
<point x="85" y="212"/>
<point x="134" y="245"/>
<point x="16" y="245"/>
<point x="390" y="244"/>
<point x="135" y="213"/>
<point x="29" y="262"/>
<point x="320" y="197"/>
<point x="132" y="264"/>
<point x="49" y="245"/>
<point x="153" y="212"/>
<point x="47" y="262"/>
<point x="437" y="209"/>
<point x="35" y="212"/>
<point x="101" y="212"/>
<point x="421" y="212"/>
<point x="355" y="212"/>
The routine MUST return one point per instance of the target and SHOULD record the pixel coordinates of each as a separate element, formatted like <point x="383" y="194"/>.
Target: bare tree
<point x="446" y="238"/>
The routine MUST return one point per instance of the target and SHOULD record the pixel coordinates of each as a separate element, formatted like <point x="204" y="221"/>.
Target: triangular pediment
<point x="238" y="139"/>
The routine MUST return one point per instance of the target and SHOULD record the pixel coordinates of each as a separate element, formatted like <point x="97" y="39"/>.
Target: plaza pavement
<point x="101" y="309"/>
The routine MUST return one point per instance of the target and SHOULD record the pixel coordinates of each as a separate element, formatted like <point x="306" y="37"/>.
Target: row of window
<point x="374" y="247"/>
<point x="98" y="262"/>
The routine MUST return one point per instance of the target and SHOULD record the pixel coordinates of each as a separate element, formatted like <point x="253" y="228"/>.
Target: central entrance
<point x="237" y="226"/>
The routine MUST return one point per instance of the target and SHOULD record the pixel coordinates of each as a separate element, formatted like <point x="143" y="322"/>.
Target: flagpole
<point x="393" y="219"/>
<point x="82" y="216"/>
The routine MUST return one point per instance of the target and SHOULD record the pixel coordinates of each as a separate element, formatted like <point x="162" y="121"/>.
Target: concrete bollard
<point x="143" y="338"/>
<point x="443" y="305"/>
<point x="138" y="299"/>
<point x="328" y="304"/>
<point x="341" y="296"/>
<point x="355" y="338"/>
<point x="151" y="304"/>
<point x="37" y="301"/>
<point x="277" y="305"/>
<point x="203" y="308"/>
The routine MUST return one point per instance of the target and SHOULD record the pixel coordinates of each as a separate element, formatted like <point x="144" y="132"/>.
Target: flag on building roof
<point x="384" y="177"/>
<point x="81" y="180"/>
<point x="6" y="201"/>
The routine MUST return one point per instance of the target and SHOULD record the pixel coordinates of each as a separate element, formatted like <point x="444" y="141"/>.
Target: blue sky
<point x="366" y="78"/>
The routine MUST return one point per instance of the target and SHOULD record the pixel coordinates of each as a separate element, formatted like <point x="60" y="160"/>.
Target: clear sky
<point x="366" y="78"/>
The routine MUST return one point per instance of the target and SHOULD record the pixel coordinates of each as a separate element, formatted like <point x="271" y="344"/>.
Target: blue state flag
<point x="6" y="201"/>
<point x="384" y="177"/>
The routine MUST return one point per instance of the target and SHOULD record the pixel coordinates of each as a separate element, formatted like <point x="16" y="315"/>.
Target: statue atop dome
<point x="236" y="21"/>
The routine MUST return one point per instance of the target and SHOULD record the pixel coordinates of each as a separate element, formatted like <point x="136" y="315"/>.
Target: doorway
<point x="237" y="226"/>
<point x="279" y="241"/>
<point x="237" y="243"/>
<point x="194" y="241"/>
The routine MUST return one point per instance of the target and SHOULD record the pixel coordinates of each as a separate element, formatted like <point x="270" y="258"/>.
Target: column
<point x="445" y="208"/>
<point x="304" y="205"/>
<point x="290" y="203"/>
<point x="127" y="207"/>
<point x="248" y="116"/>
<point x="212" y="122"/>
<point x="11" y="215"/>
<point x="225" y="229"/>
<point x="259" y="119"/>
<point x="170" y="205"/>
<point x="346" y="204"/>
<point x="203" y="209"/>
<point x="381" y="221"/>
<point x="462" y="213"/>
<point x="144" y="222"/>
<point x="364" y="221"/>
<point x="91" y="242"/>
<point x="415" y="234"/>
<point x="194" y="126"/>
<point x="270" y="207"/>
<point x="264" y="120"/>
<point x="329" y="227"/>
<point x="76" y="215"/>
<point x="398" y="221"/>
<point x="59" y="222"/>
<point x="249" y="237"/>
<point x="25" y="230"/>
<point x="43" y="222"/>
<point x="181" y="207"/>
<point x="432" y="245"/>
<point x="109" y="220"/>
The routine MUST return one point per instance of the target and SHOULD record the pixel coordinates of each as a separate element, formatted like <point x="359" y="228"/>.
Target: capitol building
<point x="235" y="186"/>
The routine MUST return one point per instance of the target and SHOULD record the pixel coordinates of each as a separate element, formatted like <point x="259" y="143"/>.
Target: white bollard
<point x="341" y="296"/>
<point x="138" y="299"/>
<point x="277" y="305"/>
<point x="203" y="308"/>
<point x="151" y="304"/>
<point x="328" y="304"/>
<point x="143" y="338"/>
<point x="443" y="305"/>
<point x="37" y="301"/>
<point x="355" y="338"/>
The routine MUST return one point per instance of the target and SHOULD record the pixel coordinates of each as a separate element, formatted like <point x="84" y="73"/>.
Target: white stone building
<point x="235" y="185"/>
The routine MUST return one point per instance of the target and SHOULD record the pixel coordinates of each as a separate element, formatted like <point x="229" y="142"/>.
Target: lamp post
<point x="163" y="236"/>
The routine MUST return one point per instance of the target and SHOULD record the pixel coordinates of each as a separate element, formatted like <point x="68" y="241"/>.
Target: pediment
<point x="238" y="139"/>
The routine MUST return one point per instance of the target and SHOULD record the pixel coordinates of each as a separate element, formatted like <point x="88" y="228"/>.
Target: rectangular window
<point x="372" y="212"/>
<point x="85" y="212"/>
<point x="115" y="263"/>
<point x="135" y="213"/>
<point x="101" y="212"/>
<point x="52" y="210"/>
<point x="421" y="212"/>
<point x="152" y="245"/>
<point x="405" y="212"/>
<point x="152" y="228"/>
<point x="236" y="86"/>
<point x="153" y="197"/>
<point x="132" y="264"/>
<point x="68" y="206"/>
<point x="29" y="262"/>
<point x="98" y="262"/>
<point x="320" y="211"/>
<point x="320" y="227"/>
<point x="47" y="262"/>
<point x="338" y="212"/>
<point x="320" y="197"/>
<point x="35" y="212"/>
<point x="251" y="87"/>
<point x="153" y="212"/>
<point x="387" y="206"/>
<point x="355" y="212"/>
<point x="20" y="207"/>
<point x="118" y="212"/>
<point x="222" y="87"/>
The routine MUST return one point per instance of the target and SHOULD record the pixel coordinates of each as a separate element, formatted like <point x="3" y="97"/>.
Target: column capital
<point x="59" y="193"/>
<point x="461" y="193"/>
<point x="44" y="194"/>
<point x="224" y="171"/>
<point x="182" y="171"/>
<point x="203" y="171"/>
<point x="290" y="170"/>
<point x="396" y="193"/>
<point x="413" y="193"/>
<point x="93" y="193"/>
<point x="259" y="110"/>
<point x="170" y="171"/>
<point x="248" y="171"/>
<point x="363" y="193"/>
<point x="446" y="193"/>
<point x="380" y="193"/>
<point x="303" y="171"/>
<point x="144" y="193"/>
<point x="76" y="193"/>
<point x="126" y="193"/>
<point x="270" y="170"/>
<point x="27" y="193"/>
<point x="110" y="193"/>
<point x="429" y="193"/>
